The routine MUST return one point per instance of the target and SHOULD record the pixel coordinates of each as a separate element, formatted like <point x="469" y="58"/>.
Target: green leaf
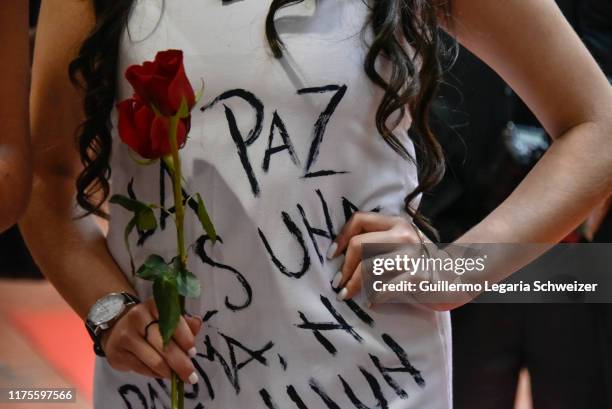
<point x="168" y="306"/>
<point x="128" y="203"/>
<point x="146" y="220"/>
<point x="205" y="220"/>
<point x="126" y="238"/>
<point x="188" y="284"/>
<point x="153" y="267"/>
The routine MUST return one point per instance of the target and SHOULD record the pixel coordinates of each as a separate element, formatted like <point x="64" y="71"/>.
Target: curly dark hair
<point x="415" y="74"/>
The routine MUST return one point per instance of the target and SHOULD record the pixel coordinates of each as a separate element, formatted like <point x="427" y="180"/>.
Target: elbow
<point x="591" y="141"/>
<point x="16" y="188"/>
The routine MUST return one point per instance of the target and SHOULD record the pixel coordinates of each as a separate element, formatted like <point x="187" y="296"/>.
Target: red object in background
<point x="60" y="338"/>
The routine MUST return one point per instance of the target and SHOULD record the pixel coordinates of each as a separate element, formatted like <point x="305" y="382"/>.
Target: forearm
<point x="573" y="177"/>
<point x="71" y="253"/>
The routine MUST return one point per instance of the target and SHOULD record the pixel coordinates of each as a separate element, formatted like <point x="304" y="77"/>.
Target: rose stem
<point x="177" y="385"/>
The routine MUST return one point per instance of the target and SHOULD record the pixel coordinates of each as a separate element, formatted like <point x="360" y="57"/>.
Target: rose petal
<point x="162" y="83"/>
<point x="160" y="142"/>
<point x="143" y="120"/>
<point x="139" y="76"/>
<point x="135" y="127"/>
<point x="160" y="137"/>
<point x="126" y="125"/>
<point x="180" y="88"/>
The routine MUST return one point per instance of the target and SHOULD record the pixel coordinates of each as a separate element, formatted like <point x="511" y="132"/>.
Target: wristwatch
<point x="104" y="313"/>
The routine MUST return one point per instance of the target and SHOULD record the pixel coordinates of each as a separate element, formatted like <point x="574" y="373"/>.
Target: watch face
<point x="106" y="308"/>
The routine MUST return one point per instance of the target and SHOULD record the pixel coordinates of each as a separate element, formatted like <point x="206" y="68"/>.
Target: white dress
<point x="283" y="152"/>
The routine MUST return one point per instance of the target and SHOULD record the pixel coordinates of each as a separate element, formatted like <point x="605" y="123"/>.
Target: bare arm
<point x="15" y="161"/>
<point x="72" y="252"/>
<point x="531" y="45"/>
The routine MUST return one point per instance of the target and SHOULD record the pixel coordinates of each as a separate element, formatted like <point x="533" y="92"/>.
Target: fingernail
<point x="192" y="352"/>
<point x="193" y="316"/>
<point x="193" y="378"/>
<point x="332" y="250"/>
<point x="337" y="279"/>
<point x="342" y="294"/>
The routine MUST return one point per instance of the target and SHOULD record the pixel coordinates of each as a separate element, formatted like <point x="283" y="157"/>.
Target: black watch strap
<point x="131" y="298"/>
<point x="97" y="348"/>
<point x="95" y="336"/>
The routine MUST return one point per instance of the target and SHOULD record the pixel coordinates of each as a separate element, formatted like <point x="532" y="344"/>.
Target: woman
<point x="285" y="148"/>
<point x="15" y="167"/>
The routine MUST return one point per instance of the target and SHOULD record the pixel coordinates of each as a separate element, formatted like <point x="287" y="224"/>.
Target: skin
<point x="548" y="66"/>
<point x="15" y="158"/>
<point x="596" y="219"/>
<point x="81" y="257"/>
<point x="544" y="62"/>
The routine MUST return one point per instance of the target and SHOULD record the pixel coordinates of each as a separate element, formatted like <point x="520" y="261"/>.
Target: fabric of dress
<point x="283" y="152"/>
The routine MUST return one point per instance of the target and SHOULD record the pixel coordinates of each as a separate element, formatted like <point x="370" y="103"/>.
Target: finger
<point x="175" y="357"/>
<point x="354" y="253"/>
<point x="185" y="331"/>
<point x="184" y="338"/>
<point x="354" y="284"/>
<point x="142" y="325"/>
<point x="361" y="222"/>
<point x="137" y="343"/>
<point x="152" y="308"/>
<point x="353" y="258"/>
<point x="149" y="357"/>
<point x="195" y="323"/>
<point x="136" y="365"/>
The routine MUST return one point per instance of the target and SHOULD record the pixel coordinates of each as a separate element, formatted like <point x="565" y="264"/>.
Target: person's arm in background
<point x="72" y="251"/>
<point x="15" y="160"/>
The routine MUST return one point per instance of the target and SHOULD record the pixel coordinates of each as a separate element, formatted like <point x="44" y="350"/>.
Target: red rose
<point x="162" y="82"/>
<point x="144" y="132"/>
